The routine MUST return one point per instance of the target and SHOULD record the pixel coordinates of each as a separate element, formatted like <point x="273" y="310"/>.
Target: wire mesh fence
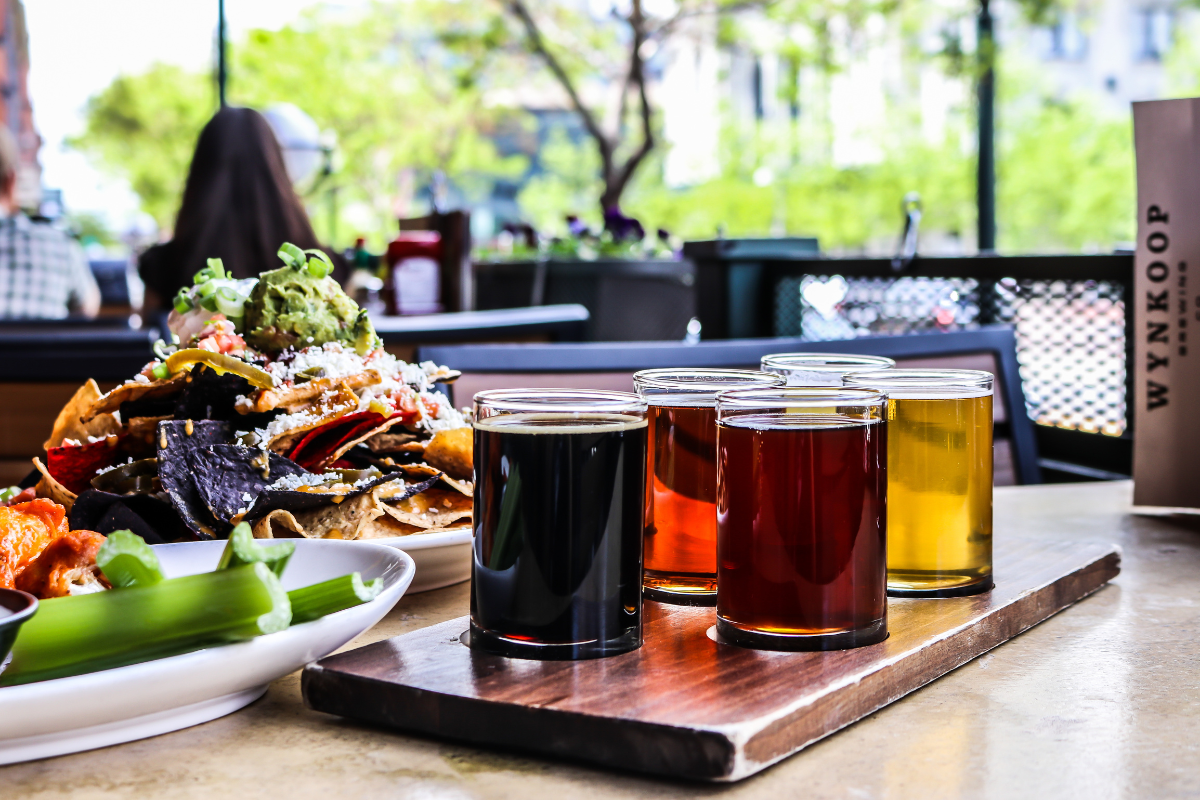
<point x="1070" y="333"/>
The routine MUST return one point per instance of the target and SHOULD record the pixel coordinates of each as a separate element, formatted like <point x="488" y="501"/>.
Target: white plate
<point x="443" y="558"/>
<point x="67" y="715"/>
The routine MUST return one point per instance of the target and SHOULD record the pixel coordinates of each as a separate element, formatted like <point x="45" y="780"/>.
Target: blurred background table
<point x="1101" y="700"/>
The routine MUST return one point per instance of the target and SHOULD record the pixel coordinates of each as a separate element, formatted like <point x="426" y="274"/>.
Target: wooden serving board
<point x="684" y="705"/>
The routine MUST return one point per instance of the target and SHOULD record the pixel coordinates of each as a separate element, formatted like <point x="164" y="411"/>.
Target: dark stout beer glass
<point x="801" y="515"/>
<point x="821" y="369"/>
<point x="681" y="478"/>
<point x="559" y="484"/>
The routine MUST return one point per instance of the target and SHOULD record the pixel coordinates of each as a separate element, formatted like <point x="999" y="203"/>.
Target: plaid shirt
<point x="42" y="270"/>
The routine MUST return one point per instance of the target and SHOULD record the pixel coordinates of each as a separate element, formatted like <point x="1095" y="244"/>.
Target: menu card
<point x="1166" y="399"/>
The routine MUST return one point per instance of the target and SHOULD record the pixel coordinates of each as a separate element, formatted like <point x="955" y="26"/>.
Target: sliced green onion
<point x="209" y="303"/>
<point x="229" y="302"/>
<point x="9" y="493"/>
<point x="317" y="269"/>
<point x="206" y="289"/>
<point x="91" y="632"/>
<point x="314" y="602"/>
<point x="217" y="267"/>
<point x="126" y="560"/>
<point x="243" y="549"/>
<point x="183" y="303"/>
<point x="291" y="255"/>
<point x="321" y="255"/>
<point x="160" y="372"/>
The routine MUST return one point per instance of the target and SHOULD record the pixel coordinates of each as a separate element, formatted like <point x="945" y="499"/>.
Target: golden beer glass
<point x="939" y="514"/>
<point x="821" y="369"/>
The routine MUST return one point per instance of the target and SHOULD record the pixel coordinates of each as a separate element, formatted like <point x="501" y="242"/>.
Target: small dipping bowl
<point x="15" y="608"/>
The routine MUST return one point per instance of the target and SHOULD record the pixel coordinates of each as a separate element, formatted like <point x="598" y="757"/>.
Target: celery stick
<point x="90" y="632"/>
<point x="126" y="560"/>
<point x="242" y="548"/>
<point x="326" y="597"/>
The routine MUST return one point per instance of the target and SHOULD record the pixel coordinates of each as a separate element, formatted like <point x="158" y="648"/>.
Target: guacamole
<point x="292" y="307"/>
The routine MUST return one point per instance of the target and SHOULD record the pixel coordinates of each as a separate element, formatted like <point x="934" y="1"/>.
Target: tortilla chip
<point x="386" y="425"/>
<point x="210" y="396"/>
<point x="75" y="466"/>
<point x="150" y="517"/>
<point x="279" y="524"/>
<point x="432" y="509"/>
<point x="134" y="390"/>
<point x="49" y="488"/>
<point x="386" y="528"/>
<point x="230" y="478"/>
<point x="423" y="471"/>
<point x="341" y="521"/>
<point x="294" y="398"/>
<point x="143" y="427"/>
<point x="451" y="451"/>
<point x="340" y="404"/>
<point x="317" y="447"/>
<point x="177" y="469"/>
<point x="68" y="425"/>
<point x="402" y="443"/>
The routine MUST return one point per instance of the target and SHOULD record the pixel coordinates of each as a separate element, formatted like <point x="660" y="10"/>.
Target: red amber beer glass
<point x="681" y="479"/>
<point x="801" y="516"/>
<point x="821" y="369"/>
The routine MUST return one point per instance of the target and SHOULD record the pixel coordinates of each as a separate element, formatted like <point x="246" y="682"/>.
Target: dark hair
<point x="238" y="206"/>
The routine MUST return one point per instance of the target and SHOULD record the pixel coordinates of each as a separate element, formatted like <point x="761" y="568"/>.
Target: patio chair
<point x="610" y="365"/>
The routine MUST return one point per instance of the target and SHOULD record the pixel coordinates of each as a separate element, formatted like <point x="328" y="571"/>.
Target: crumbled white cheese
<point x="71" y="443"/>
<point x="289" y="483"/>
<point x="103" y="470"/>
<point x="139" y="378"/>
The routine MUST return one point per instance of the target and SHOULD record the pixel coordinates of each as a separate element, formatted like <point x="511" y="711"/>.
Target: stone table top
<point x="1101" y="700"/>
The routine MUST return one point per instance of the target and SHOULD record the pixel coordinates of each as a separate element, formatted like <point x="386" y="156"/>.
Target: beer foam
<point x="535" y="423"/>
<point x="791" y="422"/>
<point x="933" y="392"/>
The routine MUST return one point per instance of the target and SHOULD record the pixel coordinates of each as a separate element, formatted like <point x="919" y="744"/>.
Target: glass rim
<point x="917" y="378"/>
<point x="560" y="401"/>
<point x="799" y="397"/>
<point x="826" y="362"/>
<point x="699" y="380"/>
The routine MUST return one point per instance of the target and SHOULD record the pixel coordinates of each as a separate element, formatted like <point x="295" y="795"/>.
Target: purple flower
<point x="622" y="227"/>
<point x="576" y="227"/>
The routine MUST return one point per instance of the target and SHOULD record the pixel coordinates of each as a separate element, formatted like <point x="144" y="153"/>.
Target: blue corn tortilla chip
<point x="150" y="517"/>
<point x="231" y="479"/>
<point x="232" y="484"/>
<point x="177" y="469"/>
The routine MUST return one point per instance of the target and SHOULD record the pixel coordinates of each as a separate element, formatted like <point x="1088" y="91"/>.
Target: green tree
<point x="143" y="128"/>
<point x="401" y="86"/>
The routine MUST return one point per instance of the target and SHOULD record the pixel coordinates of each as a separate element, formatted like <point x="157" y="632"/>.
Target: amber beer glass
<point x="801" y="518"/>
<point x="559" y="483"/>
<point x="939" y="480"/>
<point x="681" y="478"/>
<point x="821" y="369"/>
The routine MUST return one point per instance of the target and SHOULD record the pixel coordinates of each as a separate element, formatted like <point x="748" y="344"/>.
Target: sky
<point x="78" y="46"/>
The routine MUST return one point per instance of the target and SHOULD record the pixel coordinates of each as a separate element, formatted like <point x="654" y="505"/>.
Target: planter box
<point x="627" y="300"/>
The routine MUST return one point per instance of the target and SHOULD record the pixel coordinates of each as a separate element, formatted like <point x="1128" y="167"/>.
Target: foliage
<point x="401" y="86"/>
<point x="143" y="128"/>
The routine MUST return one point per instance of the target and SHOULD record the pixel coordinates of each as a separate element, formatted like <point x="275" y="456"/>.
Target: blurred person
<point x="238" y="206"/>
<point x="44" y="273"/>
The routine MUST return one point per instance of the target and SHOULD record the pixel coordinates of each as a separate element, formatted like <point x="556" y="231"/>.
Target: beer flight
<point x="795" y="500"/>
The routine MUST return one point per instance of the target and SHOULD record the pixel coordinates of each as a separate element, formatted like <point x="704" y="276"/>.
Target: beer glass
<point x="681" y="479"/>
<point x="939" y="479"/>
<point x="559" y="484"/>
<point x="801" y="518"/>
<point x="821" y="369"/>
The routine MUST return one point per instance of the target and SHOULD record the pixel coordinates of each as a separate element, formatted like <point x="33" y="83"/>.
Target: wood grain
<point x="684" y="705"/>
